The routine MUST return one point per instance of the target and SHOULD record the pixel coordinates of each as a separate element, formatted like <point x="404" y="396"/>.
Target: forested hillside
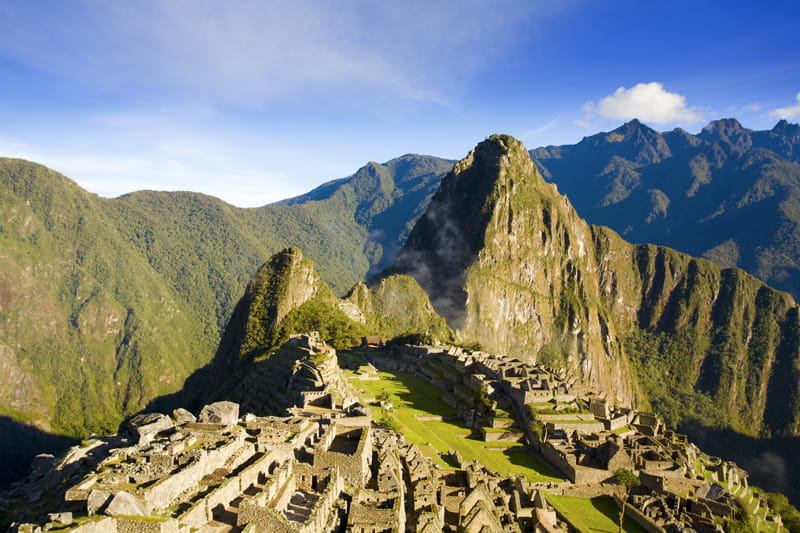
<point x="108" y="303"/>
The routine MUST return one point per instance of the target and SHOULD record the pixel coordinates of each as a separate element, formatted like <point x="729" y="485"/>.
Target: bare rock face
<point x="226" y="413"/>
<point x="124" y="503"/>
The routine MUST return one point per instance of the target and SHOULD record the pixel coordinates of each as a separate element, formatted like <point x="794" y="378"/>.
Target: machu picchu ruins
<point x="306" y="449"/>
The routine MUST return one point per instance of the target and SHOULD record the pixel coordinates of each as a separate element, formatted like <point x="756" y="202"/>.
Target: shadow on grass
<point x="606" y="506"/>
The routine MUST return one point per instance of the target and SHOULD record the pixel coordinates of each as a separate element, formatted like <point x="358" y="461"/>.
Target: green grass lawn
<point x="598" y="515"/>
<point x="412" y="395"/>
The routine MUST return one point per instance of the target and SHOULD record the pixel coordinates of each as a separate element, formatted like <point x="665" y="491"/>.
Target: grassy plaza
<point x="414" y="397"/>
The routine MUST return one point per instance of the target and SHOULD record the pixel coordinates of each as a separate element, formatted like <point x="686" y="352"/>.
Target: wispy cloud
<point x="789" y="112"/>
<point x="197" y="166"/>
<point x="649" y="102"/>
<point x="251" y="52"/>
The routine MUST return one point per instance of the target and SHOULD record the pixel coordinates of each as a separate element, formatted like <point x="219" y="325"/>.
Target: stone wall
<point x="104" y="525"/>
<point x="147" y="525"/>
<point x="203" y="510"/>
<point x="163" y="493"/>
<point x="572" y="416"/>
<point x="640" y="518"/>
<point x="582" y="427"/>
<point x="353" y="467"/>
<point x="258" y="518"/>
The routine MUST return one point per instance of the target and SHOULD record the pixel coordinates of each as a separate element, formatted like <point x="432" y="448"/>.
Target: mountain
<point x="106" y="304"/>
<point x="510" y="265"/>
<point x="729" y="194"/>
<point x="286" y="297"/>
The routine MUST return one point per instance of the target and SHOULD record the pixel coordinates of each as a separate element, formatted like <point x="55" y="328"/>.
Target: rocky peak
<point x="788" y="130"/>
<point x="727" y="130"/>
<point x="286" y="281"/>
<point x="449" y="235"/>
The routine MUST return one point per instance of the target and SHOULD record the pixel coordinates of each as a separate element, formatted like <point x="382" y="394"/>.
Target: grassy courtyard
<point x="597" y="515"/>
<point x="412" y="396"/>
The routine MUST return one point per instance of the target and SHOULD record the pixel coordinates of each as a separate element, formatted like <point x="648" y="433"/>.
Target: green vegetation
<point x="660" y="360"/>
<point x="627" y="479"/>
<point x="334" y="327"/>
<point x="412" y="396"/>
<point x="789" y="513"/>
<point x="596" y="515"/>
<point x="110" y="303"/>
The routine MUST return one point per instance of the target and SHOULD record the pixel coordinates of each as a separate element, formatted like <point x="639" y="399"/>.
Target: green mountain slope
<point x="509" y="263"/>
<point x="287" y="296"/>
<point x="729" y="194"/>
<point x="106" y="304"/>
<point x="84" y="321"/>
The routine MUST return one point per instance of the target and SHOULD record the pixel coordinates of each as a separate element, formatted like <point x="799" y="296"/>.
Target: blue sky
<point x="255" y="101"/>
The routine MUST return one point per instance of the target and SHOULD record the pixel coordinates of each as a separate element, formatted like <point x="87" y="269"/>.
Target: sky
<point x="257" y="101"/>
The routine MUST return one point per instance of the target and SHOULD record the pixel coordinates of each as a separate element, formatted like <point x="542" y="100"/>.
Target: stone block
<point x="145" y="427"/>
<point x="182" y="416"/>
<point x="61" y="518"/>
<point x="226" y="413"/>
<point x="124" y="503"/>
<point x="97" y="501"/>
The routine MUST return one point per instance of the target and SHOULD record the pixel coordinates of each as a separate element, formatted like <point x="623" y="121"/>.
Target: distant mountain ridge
<point x="729" y="194"/>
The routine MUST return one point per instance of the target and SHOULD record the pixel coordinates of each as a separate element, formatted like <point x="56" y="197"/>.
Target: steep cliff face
<point x="510" y="264"/>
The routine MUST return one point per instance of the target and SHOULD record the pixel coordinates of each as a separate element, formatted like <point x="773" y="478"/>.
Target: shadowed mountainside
<point x="729" y="194"/>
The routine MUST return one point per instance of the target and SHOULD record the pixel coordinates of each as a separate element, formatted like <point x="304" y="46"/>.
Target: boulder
<point x="97" y="501"/>
<point x="61" y="518"/>
<point x="124" y="503"/>
<point x="182" y="416"/>
<point x="225" y="413"/>
<point x="42" y="462"/>
<point x="145" y="427"/>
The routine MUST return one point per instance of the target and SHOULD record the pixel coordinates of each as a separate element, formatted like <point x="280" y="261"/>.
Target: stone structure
<point x="330" y="468"/>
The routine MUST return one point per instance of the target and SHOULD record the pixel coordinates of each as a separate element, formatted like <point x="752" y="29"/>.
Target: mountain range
<point x="728" y="194"/>
<point x="106" y="304"/>
<point x="508" y="263"/>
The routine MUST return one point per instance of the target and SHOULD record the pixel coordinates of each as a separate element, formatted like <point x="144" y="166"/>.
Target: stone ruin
<point x="329" y="467"/>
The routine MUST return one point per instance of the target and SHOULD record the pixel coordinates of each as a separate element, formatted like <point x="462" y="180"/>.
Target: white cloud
<point x="648" y="102"/>
<point x="788" y="112"/>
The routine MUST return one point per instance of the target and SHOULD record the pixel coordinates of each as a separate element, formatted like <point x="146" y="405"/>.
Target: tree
<point x="627" y="479"/>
